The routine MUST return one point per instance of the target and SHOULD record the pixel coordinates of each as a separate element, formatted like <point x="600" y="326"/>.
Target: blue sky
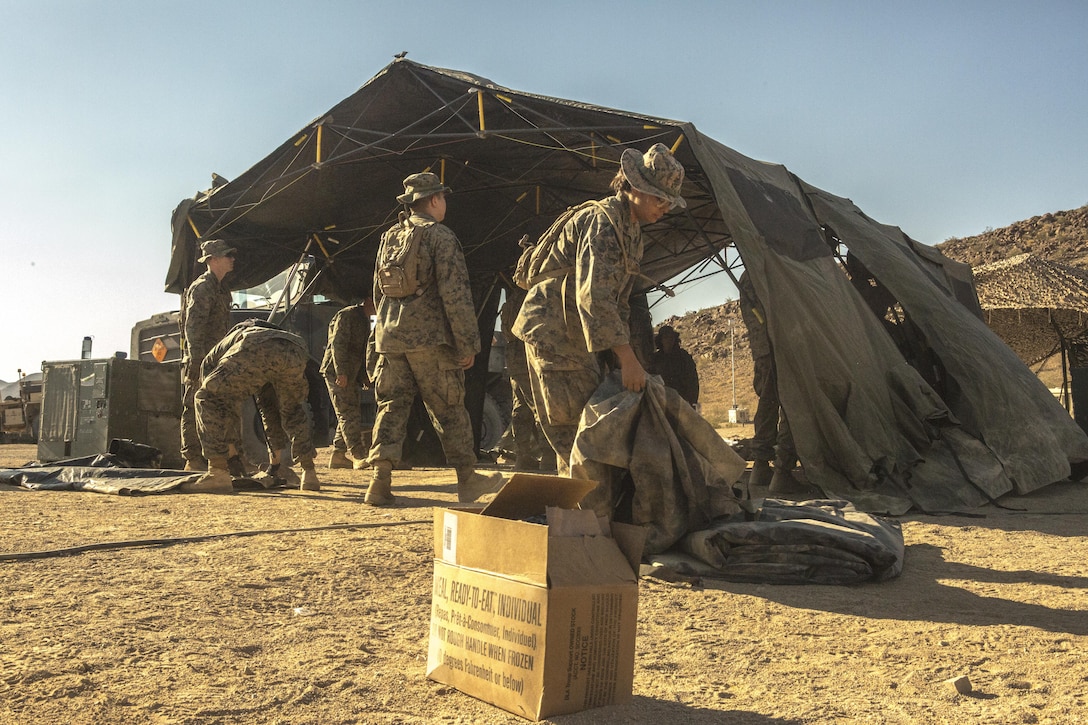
<point x="943" y="118"/>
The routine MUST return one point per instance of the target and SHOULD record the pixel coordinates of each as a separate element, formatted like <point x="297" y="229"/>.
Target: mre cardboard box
<point x="538" y="619"/>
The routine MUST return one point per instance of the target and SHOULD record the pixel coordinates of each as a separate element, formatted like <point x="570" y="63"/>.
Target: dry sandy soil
<point x="322" y="617"/>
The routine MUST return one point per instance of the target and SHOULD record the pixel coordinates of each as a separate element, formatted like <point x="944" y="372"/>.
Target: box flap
<point x="632" y="540"/>
<point x="513" y="549"/>
<point x="579" y="561"/>
<point x="527" y="494"/>
<point x="575" y="522"/>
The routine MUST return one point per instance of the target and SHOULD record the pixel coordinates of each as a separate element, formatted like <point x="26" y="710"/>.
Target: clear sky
<point x="943" y="118"/>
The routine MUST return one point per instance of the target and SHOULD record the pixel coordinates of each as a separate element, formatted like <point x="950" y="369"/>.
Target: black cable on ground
<point x="108" y="545"/>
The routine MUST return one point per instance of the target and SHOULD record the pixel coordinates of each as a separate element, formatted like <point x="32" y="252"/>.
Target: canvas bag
<point x="397" y="264"/>
<point x="527" y="271"/>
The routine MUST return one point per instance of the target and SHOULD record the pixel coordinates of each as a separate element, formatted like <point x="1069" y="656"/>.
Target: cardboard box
<point x="538" y="619"/>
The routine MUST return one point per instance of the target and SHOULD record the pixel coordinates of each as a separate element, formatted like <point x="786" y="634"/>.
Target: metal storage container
<point x="88" y="403"/>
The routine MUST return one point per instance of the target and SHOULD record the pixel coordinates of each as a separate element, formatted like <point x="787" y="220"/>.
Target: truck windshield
<point x="272" y="292"/>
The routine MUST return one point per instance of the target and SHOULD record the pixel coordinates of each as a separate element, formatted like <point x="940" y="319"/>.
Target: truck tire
<point x="492" y="423"/>
<point x="254" y="443"/>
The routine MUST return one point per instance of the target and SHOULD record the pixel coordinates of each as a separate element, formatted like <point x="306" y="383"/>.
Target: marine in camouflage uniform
<point x="772" y="438"/>
<point x="675" y="365"/>
<point x="204" y="320"/>
<point x="266" y="362"/>
<point x="523" y="424"/>
<point x="344" y="373"/>
<point x="425" y="341"/>
<point x="578" y="306"/>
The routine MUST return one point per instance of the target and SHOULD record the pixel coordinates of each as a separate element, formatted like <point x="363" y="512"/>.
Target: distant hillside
<point x="1061" y="236"/>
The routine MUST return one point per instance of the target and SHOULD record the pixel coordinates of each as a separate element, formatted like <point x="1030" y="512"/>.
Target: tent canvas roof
<point x="868" y="425"/>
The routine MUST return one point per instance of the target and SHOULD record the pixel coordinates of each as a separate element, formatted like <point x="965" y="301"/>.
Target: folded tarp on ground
<point x="98" y="479"/>
<point x="785" y="542"/>
<point x="664" y="467"/>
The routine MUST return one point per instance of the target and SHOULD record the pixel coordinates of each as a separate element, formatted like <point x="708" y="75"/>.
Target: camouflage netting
<point x="1033" y="304"/>
<point x="1026" y="281"/>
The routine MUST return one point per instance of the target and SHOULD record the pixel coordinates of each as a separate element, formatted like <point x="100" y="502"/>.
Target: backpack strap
<point x="556" y="229"/>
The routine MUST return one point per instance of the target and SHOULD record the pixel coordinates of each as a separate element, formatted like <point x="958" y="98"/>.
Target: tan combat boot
<point x="196" y="464"/>
<point x="339" y="459"/>
<point x="379" y="493"/>
<point x="216" y="480"/>
<point x="471" y="484"/>
<point x="783" y="484"/>
<point x="358" y="457"/>
<point x="309" y="477"/>
<point x="760" y="475"/>
<point x="525" y="461"/>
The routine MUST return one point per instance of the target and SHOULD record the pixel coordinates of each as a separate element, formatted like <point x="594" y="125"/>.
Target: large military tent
<point x="968" y="422"/>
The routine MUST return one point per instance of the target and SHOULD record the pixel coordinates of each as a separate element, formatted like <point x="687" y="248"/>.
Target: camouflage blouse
<point x="442" y="313"/>
<point x="586" y="311"/>
<point x="205" y="316"/>
<point x="346" y="346"/>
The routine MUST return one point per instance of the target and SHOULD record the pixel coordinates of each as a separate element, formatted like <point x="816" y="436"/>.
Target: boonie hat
<point x="420" y="186"/>
<point x="215" y="248"/>
<point x="656" y="172"/>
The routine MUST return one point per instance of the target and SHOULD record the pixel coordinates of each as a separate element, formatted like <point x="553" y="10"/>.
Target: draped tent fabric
<point x="992" y="393"/>
<point x="657" y="457"/>
<point x="869" y="427"/>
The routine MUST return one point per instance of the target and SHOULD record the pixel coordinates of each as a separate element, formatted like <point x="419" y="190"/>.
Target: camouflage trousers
<point x="523" y="424"/>
<point x="772" y="438"/>
<point x="350" y="435"/>
<point x="190" y="438"/>
<point x="437" y="377"/>
<point x="561" y="388"/>
<point x="275" y="372"/>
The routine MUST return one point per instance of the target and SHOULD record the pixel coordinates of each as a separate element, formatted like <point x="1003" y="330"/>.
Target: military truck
<point x="20" y="407"/>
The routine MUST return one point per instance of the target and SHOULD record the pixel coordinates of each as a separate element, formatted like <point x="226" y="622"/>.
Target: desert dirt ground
<point x="299" y="607"/>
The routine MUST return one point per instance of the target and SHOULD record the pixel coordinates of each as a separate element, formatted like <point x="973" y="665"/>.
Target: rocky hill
<point x="725" y="378"/>
<point x="1061" y="236"/>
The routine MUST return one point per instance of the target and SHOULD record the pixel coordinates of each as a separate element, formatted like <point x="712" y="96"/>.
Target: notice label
<point x="593" y="656"/>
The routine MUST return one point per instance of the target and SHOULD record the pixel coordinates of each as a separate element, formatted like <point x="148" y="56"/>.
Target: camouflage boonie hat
<point x="215" y="248"/>
<point x="656" y="172"/>
<point x="420" y="186"/>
